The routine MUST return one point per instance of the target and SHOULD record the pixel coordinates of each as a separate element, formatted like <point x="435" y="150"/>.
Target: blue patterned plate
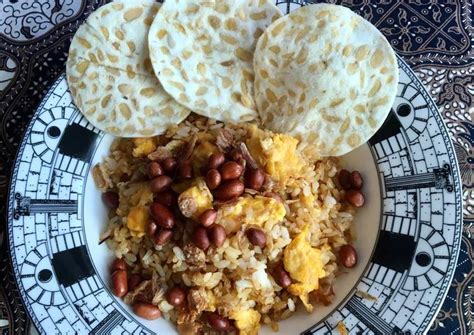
<point x="407" y="237"/>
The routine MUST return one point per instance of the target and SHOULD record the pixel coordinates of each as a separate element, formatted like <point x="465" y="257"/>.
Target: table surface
<point x="436" y="38"/>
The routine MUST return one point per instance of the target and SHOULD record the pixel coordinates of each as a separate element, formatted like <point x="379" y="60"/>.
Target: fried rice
<point x="235" y="276"/>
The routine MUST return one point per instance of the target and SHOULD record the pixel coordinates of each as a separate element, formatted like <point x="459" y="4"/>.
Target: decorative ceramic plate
<point x="407" y="236"/>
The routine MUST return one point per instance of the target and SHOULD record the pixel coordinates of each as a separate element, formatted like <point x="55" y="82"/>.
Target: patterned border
<point x="457" y="190"/>
<point x="11" y="197"/>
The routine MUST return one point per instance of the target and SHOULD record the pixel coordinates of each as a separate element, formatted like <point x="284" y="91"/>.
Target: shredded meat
<point x="143" y="292"/>
<point x="185" y="315"/>
<point x="174" y="146"/>
<point x="148" y="291"/>
<point x="101" y="178"/>
<point x="194" y="257"/>
<point x="159" y="154"/>
<point x="224" y="140"/>
<point x="247" y="156"/>
<point x="159" y="296"/>
<point x="188" y="149"/>
<point x="197" y="299"/>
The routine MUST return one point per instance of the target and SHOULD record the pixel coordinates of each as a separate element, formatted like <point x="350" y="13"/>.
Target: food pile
<point x="223" y="228"/>
<point x="227" y="206"/>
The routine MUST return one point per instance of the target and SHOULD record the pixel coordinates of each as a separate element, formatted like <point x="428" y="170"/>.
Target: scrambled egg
<point x="304" y="264"/>
<point x="137" y="220"/>
<point x="261" y="211"/>
<point x="143" y="146"/>
<point x="247" y="321"/>
<point x="277" y="153"/>
<point x="200" y="195"/>
<point x="138" y="216"/>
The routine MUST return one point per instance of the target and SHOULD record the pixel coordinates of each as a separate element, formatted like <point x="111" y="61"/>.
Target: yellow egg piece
<point x="137" y="220"/>
<point x="276" y="153"/>
<point x="261" y="211"/>
<point x="247" y="321"/>
<point x="304" y="264"/>
<point x="143" y="146"/>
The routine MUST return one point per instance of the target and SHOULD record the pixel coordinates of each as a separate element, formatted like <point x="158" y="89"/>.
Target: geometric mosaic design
<point x="58" y="283"/>
<point x="421" y="211"/>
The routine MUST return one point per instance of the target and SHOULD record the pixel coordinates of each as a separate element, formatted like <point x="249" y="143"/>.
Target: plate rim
<point x="457" y="188"/>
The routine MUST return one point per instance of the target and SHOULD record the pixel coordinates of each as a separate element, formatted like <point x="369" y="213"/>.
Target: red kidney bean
<point x="200" y="238"/>
<point x="119" y="283"/>
<point x="208" y="217"/>
<point x="348" y="256"/>
<point x="163" y="236"/>
<point x="167" y="198"/>
<point x="151" y="228"/>
<point x="281" y="277"/>
<point x="230" y="189"/>
<point x="254" y="178"/>
<point x="146" y="311"/>
<point x="133" y="281"/>
<point x="356" y="180"/>
<point x="216" y="160"/>
<point x="111" y="199"/>
<point x="355" y="198"/>
<point x="186" y="170"/>
<point x="344" y="178"/>
<point x="231" y="170"/>
<point x="175" y="296"/>
<point x="213" y="179"/>
<point x="169" y="164"/>
<point x="118" y="264"/>
<point x="162" y="215"/>
<point x="160" y="184"/>
<point x="217" y="234"/>
<point x="154" y="170"/>
<point x="218" y="322"/>
<point x="236" y="155"/>
<point x="256" y="237"/>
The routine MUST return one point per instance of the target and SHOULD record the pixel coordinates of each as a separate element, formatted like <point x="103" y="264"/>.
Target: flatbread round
<point x="202" y="52"/>
<point x="326" y="76"/>
<point x="110" y="74"/>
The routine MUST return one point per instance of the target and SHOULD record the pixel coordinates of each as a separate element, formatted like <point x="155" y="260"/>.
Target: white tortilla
<point x="110" y="74"/>
<point x="202" y="52"/>
<point x="326" y="76"/>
